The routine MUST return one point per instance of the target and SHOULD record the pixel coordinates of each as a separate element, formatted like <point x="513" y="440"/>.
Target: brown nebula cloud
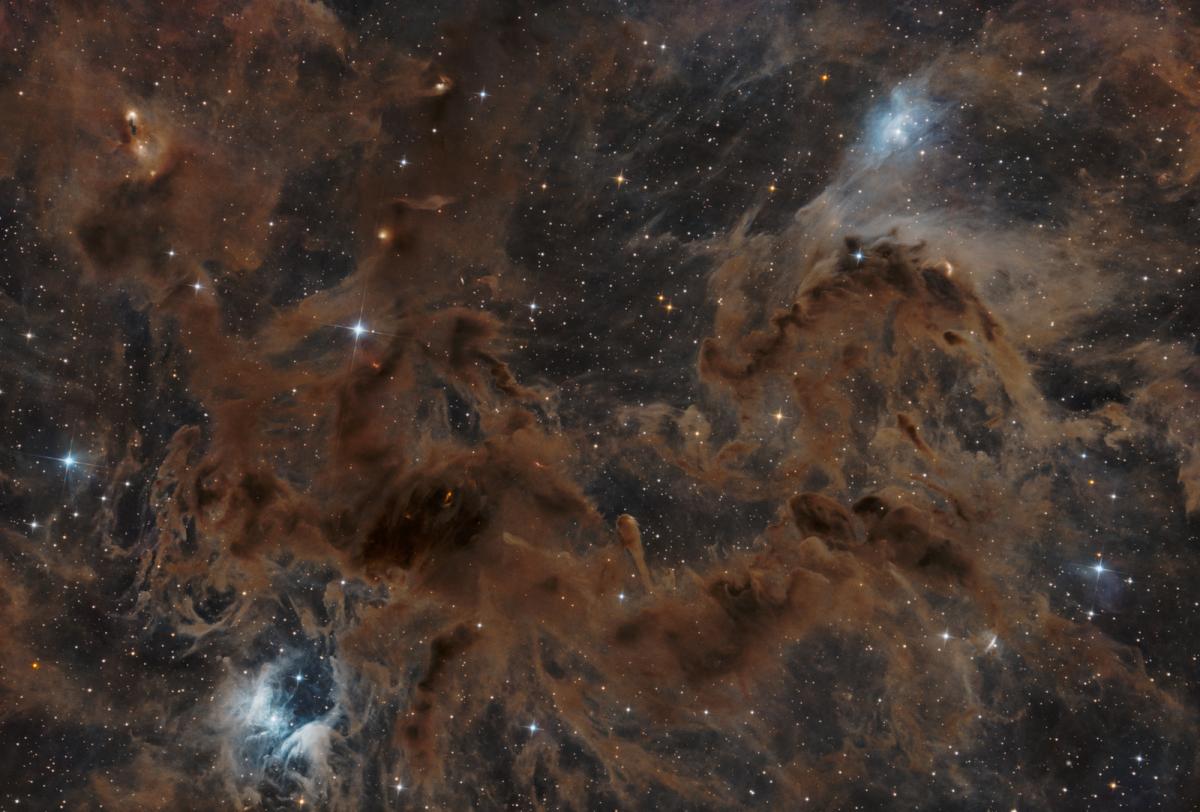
<point x="705" y="406"/>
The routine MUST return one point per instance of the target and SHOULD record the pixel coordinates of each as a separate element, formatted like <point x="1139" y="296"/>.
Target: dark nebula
<point x="592" y="406"/>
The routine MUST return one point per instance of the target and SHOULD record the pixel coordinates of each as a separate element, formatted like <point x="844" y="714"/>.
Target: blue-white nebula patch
<point x="280" y="725"/>
<point x="907" y="120"/>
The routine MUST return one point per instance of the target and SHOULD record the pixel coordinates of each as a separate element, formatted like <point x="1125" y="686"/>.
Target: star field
<point x="675" y="406"/>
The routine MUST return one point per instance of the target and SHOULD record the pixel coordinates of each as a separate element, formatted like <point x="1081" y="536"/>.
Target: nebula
<point x="503" y="405"/>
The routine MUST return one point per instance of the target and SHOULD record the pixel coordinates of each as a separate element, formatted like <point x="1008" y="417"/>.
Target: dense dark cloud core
<point x="677" y="406"/>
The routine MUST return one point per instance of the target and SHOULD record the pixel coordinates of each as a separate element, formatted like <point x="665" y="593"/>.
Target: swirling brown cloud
<point x="695" y="407"/>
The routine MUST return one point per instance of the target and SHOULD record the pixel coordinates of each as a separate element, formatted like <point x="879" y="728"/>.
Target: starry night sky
<point x="599" y="405"/>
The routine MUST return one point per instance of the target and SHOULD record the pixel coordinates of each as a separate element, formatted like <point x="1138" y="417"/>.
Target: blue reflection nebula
<point x="907" y="119"/>
<point x="283" y="723"/>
